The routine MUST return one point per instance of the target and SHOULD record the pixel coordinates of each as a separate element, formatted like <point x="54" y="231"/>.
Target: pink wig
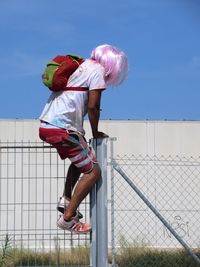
<point x="114" y="61"/>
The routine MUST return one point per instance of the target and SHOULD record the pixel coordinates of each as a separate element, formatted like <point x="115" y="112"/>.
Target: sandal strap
<point x="77" y="226"/>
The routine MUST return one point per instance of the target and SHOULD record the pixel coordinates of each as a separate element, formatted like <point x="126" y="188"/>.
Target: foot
<point x="62" y="205"/>
<point x="74" y="225"/>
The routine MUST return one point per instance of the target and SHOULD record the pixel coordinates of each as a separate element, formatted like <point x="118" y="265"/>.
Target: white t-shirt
<point x="66" y="109"/>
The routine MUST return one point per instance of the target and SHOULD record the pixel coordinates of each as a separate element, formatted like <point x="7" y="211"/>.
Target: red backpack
<point x="57" y="72"/>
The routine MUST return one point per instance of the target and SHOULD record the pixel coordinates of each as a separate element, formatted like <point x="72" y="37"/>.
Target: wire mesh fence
<point x="171" y="184"/>
<point x="32" y="179"/>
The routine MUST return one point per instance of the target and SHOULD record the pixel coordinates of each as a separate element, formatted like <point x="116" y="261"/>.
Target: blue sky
<point x="160" y="37"/>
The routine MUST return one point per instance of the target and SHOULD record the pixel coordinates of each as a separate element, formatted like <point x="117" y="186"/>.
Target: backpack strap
<point x="76" y="89"/>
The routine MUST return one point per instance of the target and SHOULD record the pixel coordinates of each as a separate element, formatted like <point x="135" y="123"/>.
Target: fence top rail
<point x="23" y="145"/>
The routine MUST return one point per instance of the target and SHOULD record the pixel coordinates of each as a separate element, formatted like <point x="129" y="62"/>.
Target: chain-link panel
<point x="172" y="186"/>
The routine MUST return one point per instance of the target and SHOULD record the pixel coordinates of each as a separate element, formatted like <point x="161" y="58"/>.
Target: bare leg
<point x="73" y="175"/>
<point x="83" y="187"/>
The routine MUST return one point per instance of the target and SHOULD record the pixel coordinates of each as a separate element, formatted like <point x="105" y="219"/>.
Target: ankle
<point x="68" y="217"/>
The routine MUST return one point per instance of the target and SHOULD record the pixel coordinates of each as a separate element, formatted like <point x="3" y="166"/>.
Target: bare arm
<point x="94" y="103"/>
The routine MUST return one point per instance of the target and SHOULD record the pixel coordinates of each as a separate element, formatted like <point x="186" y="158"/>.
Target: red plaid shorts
<point x="71" y="145"/>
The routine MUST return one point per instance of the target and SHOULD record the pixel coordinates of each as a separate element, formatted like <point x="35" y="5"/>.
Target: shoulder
<point x="93" y="66"/>
<point x="96" y="77"/>
<point x="89" y="74"/>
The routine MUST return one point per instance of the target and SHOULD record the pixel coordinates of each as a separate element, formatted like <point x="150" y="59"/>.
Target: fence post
<point x="98" y="209"/>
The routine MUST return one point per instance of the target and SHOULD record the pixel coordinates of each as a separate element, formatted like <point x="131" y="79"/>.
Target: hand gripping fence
<point x="155" y="211"/>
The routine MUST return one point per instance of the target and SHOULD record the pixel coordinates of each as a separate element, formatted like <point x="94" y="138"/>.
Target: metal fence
<point x="156" y="205"/>
<point x="32" y="179"/>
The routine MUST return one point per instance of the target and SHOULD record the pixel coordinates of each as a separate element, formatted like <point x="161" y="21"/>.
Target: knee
<point x="96" y="172"/>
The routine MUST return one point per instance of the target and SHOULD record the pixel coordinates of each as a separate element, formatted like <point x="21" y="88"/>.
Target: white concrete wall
<point x="133" y="137"/>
